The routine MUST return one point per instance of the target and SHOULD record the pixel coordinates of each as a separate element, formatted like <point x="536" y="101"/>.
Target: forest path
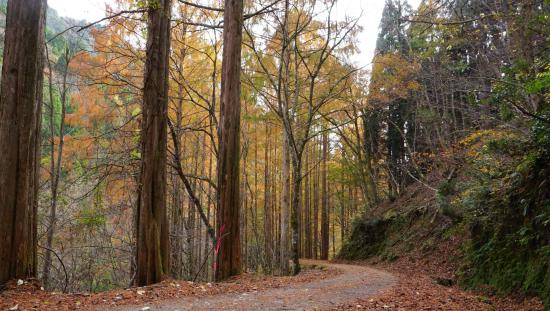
<point x="355" y="282"/>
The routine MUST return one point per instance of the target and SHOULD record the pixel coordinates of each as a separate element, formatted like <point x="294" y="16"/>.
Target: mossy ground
<point x="498" y="206"/>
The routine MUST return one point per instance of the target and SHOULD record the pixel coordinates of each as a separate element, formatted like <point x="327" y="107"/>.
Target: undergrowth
<point x="501" y="204"/>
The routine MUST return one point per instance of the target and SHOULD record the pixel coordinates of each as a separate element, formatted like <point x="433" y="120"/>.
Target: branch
<point x="83" y="27"/>
<point x="204" y="7"/>
<point x="449" y="23"/>
<point x="192" y="196"/>
<point x="111" y="17"/>
<point x="62" y="265"/>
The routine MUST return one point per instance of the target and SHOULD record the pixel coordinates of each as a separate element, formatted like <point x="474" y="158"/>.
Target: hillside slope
<point x="483" y="222"/>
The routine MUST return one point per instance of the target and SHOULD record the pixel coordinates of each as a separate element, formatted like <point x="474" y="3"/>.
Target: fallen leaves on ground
<point x="30" y="296"/>
<point x="420" y="276"/>
<point x="416" y="291"/>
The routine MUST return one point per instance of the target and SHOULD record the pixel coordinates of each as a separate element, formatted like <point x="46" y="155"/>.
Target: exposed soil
<point x="30" y="296"/>
<point x="354" y="282"/>
<point x="337" y="286"/>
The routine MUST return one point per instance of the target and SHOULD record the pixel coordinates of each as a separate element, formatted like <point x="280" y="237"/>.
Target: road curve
<point x="355" y="282"/>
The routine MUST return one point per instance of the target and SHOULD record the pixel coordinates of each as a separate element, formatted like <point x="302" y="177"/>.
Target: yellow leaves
<point x="485" y="135"/>
<point x="393" y="77"/>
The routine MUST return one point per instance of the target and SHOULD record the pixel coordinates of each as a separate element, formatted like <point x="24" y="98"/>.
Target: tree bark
<point x="268" y="238"/>
<point x="229" y="255"/>
<point x="294" y="224"/>
<point x="307" y="212"/>
<point x="325" y="235"/>
<point x="316" y="181"/>
<point x="20" y="107"/>
<point x="285" y="207"/>
<point x="152" y="254"/>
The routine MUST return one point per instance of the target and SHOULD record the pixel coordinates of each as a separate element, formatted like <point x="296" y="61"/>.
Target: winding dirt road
<point x="355" y="282"/>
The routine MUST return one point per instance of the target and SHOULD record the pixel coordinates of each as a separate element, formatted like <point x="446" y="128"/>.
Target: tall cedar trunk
<point x="274" y="207"/>
<point x="324" y="201"/>
<point x="268" y="238"/>
<point x="244" y="234"/>
<point x="316" y="180"/>
<point x="153" y="255"/>
<point x="283" y="102"/>
<point x="55" y="165"/>
<point x="294" y="225"/>
<point x="20" y="106"/>
<point x="307" y="212"/>
<point x="178" y="219"/>
<point x="285" y="208"/>
<point x="343" y="210"/>
<point x="209" y="260"/>
<point x="229" y="255"/>
<point x="369" y="149"/>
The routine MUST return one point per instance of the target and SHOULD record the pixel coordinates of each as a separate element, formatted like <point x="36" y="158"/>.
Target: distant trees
<point x="153" y="244"/>
<point x="302" y="54"/>
<point x="20" y="108"/>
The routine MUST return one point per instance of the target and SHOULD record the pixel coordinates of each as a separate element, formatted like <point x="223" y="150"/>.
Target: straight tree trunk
<point x="275" y="215"/>
<point x="285" y="208"/>
<point x="294" y="217"/>
<point x="283" y="98"/>
<point x="20" y="108"/>
<point x="244" y="190"/>
<point x="153" y="254"/>
<point x="307" y="212"/>
<point x="325" y="235"/>
<point x="229" y="255"/>
<point x="55" y="165"/>
<point x="316" y="204"/>
<point x="268" y="238"/>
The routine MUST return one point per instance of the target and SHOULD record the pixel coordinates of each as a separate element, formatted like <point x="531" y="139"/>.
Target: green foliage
<point x="509" y="220"/>
<point x="91" y="218"/>
<point x="366" y="240"/>
<point x="504" y="203"/>
<point x="446" y="188"/>
<point x="541" y="131"/>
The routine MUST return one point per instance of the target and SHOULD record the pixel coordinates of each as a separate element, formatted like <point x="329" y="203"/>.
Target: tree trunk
<point x="285" y="207"/>
<point x="316" y="179"/>
<point x="152" y="255"/>
<point x="268" y="238"/>
<point x="325" y="235"/>
<point x="307" y="212"/>
<point x="55" y="165"/>
<point x="229" y="255"/>
<point x="294" y="225"/>
<point x="20" y="107"/>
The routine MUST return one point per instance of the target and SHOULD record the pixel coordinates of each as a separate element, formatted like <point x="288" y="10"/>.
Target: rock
<point x="140" y="292"/>
<point x="19" y="283"/>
